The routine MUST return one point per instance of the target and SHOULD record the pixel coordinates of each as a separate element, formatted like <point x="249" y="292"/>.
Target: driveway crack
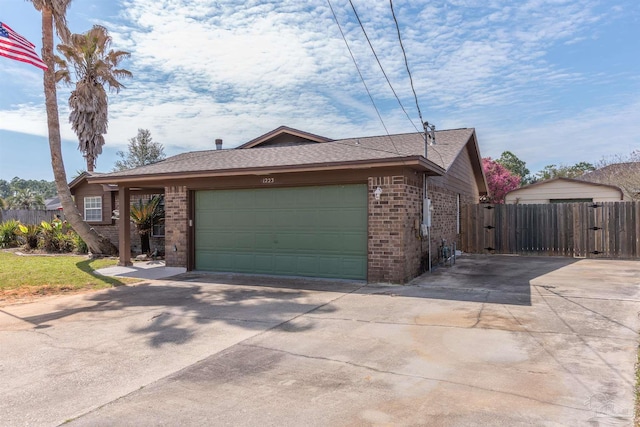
<point x="414" y="376"/>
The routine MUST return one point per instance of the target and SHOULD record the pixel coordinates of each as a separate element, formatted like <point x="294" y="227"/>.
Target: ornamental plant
<point x="500" y="180"/>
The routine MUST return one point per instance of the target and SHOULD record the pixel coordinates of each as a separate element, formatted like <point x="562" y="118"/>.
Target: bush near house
<point x="9" y="231"/>
<point x="55" y="236"/>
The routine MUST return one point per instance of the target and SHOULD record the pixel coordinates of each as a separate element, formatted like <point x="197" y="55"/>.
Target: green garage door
<point x="302" y="231"/>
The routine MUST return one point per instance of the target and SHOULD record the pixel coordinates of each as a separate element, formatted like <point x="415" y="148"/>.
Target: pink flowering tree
<point x="500" y="180"/>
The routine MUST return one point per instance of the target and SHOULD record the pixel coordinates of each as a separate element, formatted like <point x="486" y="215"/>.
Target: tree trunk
<point x="97" y="244"/>
<point x="145" y="245"/>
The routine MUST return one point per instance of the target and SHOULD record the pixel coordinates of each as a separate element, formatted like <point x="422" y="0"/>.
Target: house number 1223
<point x="268" y="180"/>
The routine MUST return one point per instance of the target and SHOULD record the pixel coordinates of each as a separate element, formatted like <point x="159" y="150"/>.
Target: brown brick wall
<point x="444" y="220"/>
<point x="111" y="231"/>
<point x="396" y="248"/>
<point x="176" y="226"/>
<point x="394" y="245"/>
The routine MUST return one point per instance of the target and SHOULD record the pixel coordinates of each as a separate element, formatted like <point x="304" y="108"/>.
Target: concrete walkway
<point x="492" y="341"/>
<point x="151" y="270"/>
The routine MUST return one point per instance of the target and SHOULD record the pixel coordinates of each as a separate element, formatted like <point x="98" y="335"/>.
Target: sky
<point x="553" y="81"/>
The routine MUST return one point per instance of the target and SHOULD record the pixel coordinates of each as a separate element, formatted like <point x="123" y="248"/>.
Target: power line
<point x="360" y="74"/>
<point x="380" y="64"/>
<point x="429" y="129"/>
<point x="406" y="62"/>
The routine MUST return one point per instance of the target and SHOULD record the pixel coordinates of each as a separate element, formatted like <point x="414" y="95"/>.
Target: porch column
<point x="124" y="226"/>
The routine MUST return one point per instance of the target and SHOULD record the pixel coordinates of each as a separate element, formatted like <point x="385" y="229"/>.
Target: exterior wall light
<point x="377" y="193"/>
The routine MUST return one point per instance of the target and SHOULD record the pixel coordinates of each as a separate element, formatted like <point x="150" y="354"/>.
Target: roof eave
<point x="416" y="162"/>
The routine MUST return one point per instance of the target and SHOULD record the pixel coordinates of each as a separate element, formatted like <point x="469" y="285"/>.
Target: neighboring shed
<point x="294" y="203"/>
<point x="563" y="190"/>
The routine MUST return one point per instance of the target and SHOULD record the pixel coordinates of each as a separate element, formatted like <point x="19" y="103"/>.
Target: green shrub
<point x="79" y="244"/>
<point x="9" y="231"/>
<point x="56" y="236"/>
<point x="30" y="234"/>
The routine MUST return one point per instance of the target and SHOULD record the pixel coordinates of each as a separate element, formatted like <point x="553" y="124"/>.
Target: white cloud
<point x="589" y="136"/>
<point x="234" y="70"/>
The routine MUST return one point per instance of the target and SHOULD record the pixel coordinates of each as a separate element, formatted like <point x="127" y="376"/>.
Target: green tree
<point x="564" y="171"/>
<point x="94" y="67"/>
<point x="26" y="199"/>
<point x="41" y="187"/>
<point x="5" y="189"/>
<point x="142" y="151"/>
<point x="54" y="15"/>
<point x="516" y="166"/>
<point x="144" y="215"/>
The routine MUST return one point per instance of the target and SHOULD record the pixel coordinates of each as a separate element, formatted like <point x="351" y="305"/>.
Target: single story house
<point x="52" y="204"/>
<point x="563" y="190"/>
<point x="626" y="176"/>
<point x="294" y="203"/>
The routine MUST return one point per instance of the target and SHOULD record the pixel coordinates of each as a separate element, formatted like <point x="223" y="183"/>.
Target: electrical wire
<point x="406" y="62"/>
<point x="361" y="76"/>
<point x="355" y="12"/>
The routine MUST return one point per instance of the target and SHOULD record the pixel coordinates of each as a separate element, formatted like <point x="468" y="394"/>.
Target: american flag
<point x="14" y="46"/>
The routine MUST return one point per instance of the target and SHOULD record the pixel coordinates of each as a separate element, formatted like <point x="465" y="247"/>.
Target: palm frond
<point x="95" y="67"/>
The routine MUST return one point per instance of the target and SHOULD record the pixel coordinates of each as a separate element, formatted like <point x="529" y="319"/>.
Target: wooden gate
<point x="585" y="230"/>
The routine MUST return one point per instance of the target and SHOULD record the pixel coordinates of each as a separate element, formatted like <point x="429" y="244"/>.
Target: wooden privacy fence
<point x="28" y="216"/>
<point x="585" y="230"/>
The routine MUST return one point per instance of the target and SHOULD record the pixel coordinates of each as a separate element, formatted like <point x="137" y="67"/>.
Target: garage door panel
<point x="218" y="240"/>
<point x="219" y="261"/>
<point x="241" y="216"/>
<point x="308" y="265"/>
<point x="263" y="241"/>
<point x="244" y="240"/>
<point x="244" y="262"/>
<point x="308" y="231"/>
<point x="350" y="244"/>
<point x="308" y="242"/>
<point x="286" y="263"/>
<point x="263" y="263"/>
<point x="354" y="266"/>
<point x="352" y="219"/>
<point x="287" y="242"/>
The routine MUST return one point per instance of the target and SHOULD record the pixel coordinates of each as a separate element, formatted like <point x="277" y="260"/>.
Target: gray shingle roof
<point x="606" y="173"/>
<point x="449" y="143"/>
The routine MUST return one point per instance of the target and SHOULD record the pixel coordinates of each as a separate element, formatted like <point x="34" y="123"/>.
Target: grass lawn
<point x="23" y="276"/>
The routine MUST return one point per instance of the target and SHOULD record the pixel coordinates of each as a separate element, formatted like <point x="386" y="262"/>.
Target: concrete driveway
<point x="494" y="340"/>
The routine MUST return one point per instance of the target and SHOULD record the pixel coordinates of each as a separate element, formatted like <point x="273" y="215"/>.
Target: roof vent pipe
<point x="218" y="144"/>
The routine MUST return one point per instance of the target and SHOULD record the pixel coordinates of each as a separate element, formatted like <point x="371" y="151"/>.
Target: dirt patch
<point x="26" y="294"/>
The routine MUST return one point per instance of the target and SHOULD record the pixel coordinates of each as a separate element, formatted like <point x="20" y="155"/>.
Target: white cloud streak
<point x="234" y="70"/>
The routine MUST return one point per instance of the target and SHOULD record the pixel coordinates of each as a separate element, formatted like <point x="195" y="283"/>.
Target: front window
<point x="93" y="209"/>
<point x="158" y="223"/>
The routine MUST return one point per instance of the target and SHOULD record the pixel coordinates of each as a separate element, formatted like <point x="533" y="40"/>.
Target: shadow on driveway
<point x="180" y="307"/>
<point x="499" y="279"/>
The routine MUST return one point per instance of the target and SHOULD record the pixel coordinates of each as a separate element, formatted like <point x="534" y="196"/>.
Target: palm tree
<point x="94" y="67"/>
<point x="54" y="11"/>
<point x="144" y="215"/>
<point x="26" y="199"/>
